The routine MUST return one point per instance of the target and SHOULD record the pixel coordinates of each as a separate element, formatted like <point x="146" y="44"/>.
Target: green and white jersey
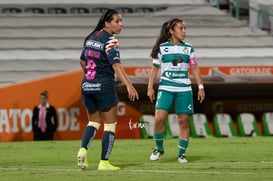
<point x="174" y="61"/>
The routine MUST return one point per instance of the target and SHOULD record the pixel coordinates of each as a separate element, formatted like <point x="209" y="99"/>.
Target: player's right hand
<point x="151" y="94"/>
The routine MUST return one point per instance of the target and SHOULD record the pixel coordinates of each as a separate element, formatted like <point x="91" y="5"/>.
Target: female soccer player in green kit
<point x="173" y="56"/>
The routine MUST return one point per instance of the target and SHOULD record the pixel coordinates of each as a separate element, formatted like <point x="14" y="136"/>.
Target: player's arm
<point x="82" y="63"/>
<point x="152" y="76"/>
<point x="197" y="76"/>
<point x="119" y="70"/>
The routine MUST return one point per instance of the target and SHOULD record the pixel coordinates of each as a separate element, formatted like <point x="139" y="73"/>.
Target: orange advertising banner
<point x="208" y="70"/>
<point x="17" y="102"/>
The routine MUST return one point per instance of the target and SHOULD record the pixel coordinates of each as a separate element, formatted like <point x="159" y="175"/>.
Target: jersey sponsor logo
<point x="94" y="44"/>
<point x="87" y="86"/>
<point x="175" y="75"/>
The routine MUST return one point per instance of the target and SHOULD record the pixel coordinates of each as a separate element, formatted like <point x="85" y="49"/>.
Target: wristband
<point x="200" y="86"/>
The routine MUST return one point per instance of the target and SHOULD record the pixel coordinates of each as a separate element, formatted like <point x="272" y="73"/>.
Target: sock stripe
<point x="90" y="140"/>
<point x="181" y="147"/>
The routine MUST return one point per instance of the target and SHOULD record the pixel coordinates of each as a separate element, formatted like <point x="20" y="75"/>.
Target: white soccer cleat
<point x="156" y="154"/>
<point x="182" y="159"/>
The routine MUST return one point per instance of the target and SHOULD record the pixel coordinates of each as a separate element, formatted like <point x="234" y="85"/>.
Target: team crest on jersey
<point x="186" y="50"/>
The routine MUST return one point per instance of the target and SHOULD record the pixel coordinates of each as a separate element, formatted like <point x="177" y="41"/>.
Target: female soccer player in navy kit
<point x="173" y="56"/>
<point x="100" y="60"/>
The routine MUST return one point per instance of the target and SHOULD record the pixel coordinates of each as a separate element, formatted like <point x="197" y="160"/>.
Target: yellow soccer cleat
<point x="82" y="159"/>
<point x="105" y="165"/>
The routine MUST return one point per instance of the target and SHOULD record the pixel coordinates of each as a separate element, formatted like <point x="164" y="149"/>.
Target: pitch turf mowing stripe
<point x="127" y="170"/>
<point x="190" y="172"/>
<point x="20" y="168"/>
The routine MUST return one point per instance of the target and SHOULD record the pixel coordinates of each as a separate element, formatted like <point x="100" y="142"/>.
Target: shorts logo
<point x="189" y="107"/>
<point x="87" y="86"/>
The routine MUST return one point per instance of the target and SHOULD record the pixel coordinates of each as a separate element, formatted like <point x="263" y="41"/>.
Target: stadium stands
<point x="241" y="6"/>
<point x="37" y="44"/>
<point x="260" y="14"/>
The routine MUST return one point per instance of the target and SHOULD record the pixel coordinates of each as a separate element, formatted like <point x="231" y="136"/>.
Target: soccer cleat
<point x="182" y="159"/>
<point x="105" y="165"/>
<point x="156" y="154"/>
<point x="82" y="159"/>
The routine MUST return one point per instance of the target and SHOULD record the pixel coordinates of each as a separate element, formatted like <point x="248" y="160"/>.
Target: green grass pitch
<point x="231" y="159"/>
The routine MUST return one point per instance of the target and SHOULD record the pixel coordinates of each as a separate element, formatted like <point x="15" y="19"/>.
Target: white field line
<point x="126" y="170"/>
<point x="229" y="162"/>
<point x="190" y="172"/>
<point x="20" y="168"/>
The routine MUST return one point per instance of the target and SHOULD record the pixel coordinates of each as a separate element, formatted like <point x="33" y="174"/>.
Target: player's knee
<point x="183" y="122"/>
<point x="110" y="127"/>
<point x="94" y="124"/>
<point x="159" y="119"/>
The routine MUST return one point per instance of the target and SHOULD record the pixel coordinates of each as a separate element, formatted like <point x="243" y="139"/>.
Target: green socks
<point x="159" y="138"/>
<point x="182" y="143"/>
<point x="182" y="146"/>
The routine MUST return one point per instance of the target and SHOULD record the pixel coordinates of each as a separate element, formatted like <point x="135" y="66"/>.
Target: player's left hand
<point x="201" y="95"/>
<point x="132" y="93"/>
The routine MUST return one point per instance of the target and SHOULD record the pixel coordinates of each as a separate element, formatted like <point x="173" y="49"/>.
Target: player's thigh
<point x="106" y="101"/>
<point x="184" y="103"/>
<point x="89" y="101"/>
<point x="109" y="116"/>
<point x="94" y="115"/>
<point x="164" y="100"/>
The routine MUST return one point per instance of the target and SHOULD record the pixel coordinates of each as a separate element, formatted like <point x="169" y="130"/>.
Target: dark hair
<point x="106" y="17"/>
<point x="164" y="35"/>
<point x="44" y="93"/>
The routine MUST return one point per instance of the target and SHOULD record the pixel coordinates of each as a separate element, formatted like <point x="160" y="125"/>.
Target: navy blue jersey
<point x="100" y="52"/>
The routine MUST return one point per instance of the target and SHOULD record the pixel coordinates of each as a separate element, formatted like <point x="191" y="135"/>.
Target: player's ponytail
<point x="164" y="35"/>
<point x="106" y="17"/>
